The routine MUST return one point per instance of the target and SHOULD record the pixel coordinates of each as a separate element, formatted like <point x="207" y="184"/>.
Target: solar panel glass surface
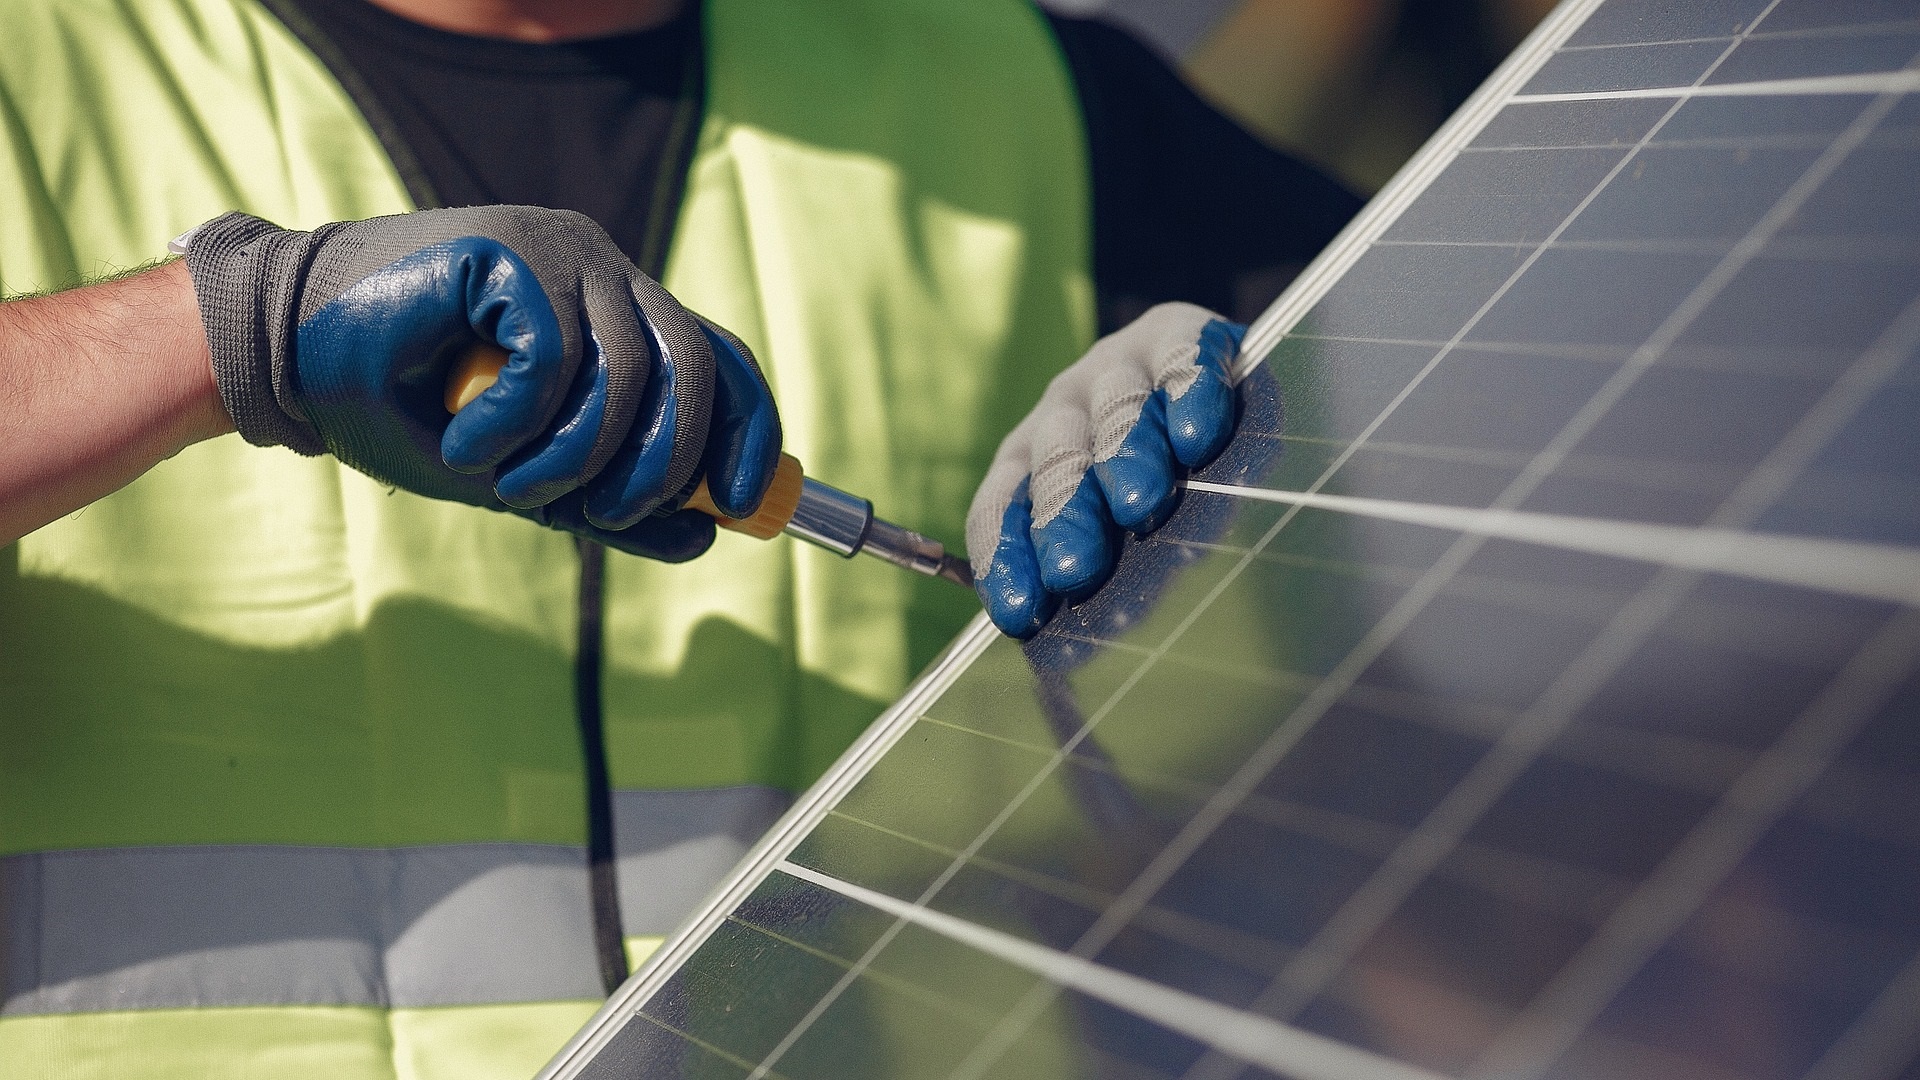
<point x="1530" y="691"/>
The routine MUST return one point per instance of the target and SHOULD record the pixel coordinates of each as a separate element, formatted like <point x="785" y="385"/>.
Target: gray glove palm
<point x="613" y="402"/>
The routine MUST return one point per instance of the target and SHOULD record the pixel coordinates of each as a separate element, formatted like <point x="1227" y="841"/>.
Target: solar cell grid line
<point x="1551" y="1023"/>
<point x="1875" y="571"/>
<point x="1369" y="907"/>
<point x="1520" y="596"/>
<point x="1805" y="32"/>
<point x="1878" y="82"/>
<point x="1585" y="602"/>
<point x="1536" y="598"/>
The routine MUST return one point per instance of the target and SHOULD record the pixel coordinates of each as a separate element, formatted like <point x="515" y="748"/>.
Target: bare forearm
<point x="98" y="385"/>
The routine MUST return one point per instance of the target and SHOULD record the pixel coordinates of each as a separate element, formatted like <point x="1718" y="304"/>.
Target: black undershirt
<point x="596" y="126"/>
<point x="1186" y="204"/>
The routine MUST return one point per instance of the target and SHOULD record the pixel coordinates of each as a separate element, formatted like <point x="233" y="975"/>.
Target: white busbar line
<point x="1875" y="82"/>
<point x="1874" y="571"/>
<point x="1254" y="1039"/>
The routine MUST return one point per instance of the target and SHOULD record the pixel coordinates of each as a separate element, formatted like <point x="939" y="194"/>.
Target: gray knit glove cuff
<point x="247" y="274"/>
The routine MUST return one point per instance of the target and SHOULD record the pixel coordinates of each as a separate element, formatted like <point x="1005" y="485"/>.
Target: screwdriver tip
<point x="958" y="571"/>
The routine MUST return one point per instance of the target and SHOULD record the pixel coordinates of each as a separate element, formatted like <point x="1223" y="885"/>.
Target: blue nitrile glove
<point x="614" y="400"/>
<point x="1101" y="452"/>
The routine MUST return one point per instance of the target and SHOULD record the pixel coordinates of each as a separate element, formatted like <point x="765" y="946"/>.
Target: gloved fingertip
<point x="634" y="483"/>
<point x="488" y="429"/>
<point x="604" y="509"/>
<point x="1074" y="548"/>
<point x="1200" y="421"/>
<point x="672" y="538"/>
<point x="1220" y="343"/>
<point x="1014" y="600"/>
<point x="1009" y="585"/>
<point x="563" y="459"/>
<point x="743" y="442"/>
<point x="528" y="489"/>
<point x="1138" y="480"/>
<point x="525" y="494"/>
<point x="502" y="302"/>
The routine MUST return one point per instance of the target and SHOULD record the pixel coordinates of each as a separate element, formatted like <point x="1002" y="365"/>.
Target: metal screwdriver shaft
<point x="845" y="524"/>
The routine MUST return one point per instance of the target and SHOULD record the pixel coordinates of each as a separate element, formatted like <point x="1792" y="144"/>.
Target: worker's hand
<point x="1100" y="453"/>
<point x="613" y="402"/>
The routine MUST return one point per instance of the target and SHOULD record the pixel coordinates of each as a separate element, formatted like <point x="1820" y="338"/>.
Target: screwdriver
<point x="795" y="503"/>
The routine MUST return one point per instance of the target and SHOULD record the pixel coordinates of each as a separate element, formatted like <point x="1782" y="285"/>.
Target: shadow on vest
<point x="197" y="822"/>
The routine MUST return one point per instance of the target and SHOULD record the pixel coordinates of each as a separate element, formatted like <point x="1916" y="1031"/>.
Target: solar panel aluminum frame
<point x="1287" y="310"/>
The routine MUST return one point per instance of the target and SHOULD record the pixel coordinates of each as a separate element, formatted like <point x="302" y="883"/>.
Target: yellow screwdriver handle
<point x="480" y="366"/>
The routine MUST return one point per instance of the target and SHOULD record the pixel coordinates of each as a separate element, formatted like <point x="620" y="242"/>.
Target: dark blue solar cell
<point x="1798" y="57"/>
<point x="1860" y="205"/>
<point x="1419" y="294"/>
<point x="1627" y="67"/>
<point x="1713" y="194"/>
<point x="1474" y="650"/>
<point x="1829" y="14"/>
<point x="1605" y="298"/>
<point x="1815" y="302"/>
<point x="1692" y="1002"/>
<point x="1577" y="123"/>
<point x="1513" y="196"/>
<point x="1509" y="402"/>
<point x="1760" y="121"/>
<point x="1628" y="21"/>
<point x="1379" y="768"/>
<point x="1705" y="690"/>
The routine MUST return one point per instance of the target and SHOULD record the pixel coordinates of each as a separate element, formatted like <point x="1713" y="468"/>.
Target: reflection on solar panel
<point x="1531" y="692"/>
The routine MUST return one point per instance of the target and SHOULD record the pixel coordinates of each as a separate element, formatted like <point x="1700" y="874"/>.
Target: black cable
<point x="608" y="940"/>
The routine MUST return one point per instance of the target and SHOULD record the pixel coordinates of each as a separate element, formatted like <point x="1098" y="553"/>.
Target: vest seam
<point x="401" y="156"/>
<point x="670" y="182"/>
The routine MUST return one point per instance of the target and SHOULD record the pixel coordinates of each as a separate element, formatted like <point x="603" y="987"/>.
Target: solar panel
<point x="1530" y="691"/>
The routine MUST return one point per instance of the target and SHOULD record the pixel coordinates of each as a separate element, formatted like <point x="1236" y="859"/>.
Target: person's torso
<point x="249" y="667"/>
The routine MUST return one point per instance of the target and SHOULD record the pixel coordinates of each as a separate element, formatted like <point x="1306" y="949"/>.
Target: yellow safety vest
<point x="290" y="783"/>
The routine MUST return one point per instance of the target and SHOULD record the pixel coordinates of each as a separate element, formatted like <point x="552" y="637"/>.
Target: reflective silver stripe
<point x="174" y="927"/>
<point x="675" y="847"/>
<point x="454" y="924"/>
